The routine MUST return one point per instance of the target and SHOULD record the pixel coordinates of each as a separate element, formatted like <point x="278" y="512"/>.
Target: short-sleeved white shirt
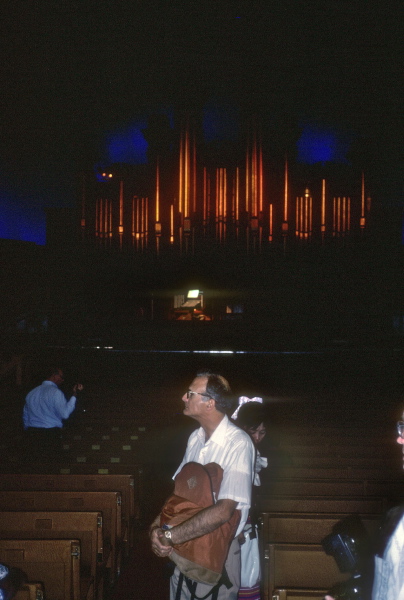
<point x="388" y="581"/>
<point x="232" y="449"/>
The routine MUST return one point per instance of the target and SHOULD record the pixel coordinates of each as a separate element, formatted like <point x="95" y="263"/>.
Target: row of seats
<point x="304" y="503"/>
<point x="67" y="532"/>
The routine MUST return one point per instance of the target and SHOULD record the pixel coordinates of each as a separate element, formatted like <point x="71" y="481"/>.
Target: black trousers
<point x="43" y="445"/>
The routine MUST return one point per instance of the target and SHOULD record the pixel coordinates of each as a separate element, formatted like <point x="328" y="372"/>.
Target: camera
<point x="350" y="545"/>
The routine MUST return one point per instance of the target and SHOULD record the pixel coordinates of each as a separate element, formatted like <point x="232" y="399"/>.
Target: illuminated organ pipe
<point x="237" y="215"/>
<point x="285" y="225"/>
<point x="254" y="185"/>
<point x="121" y="207"/>
<point x="140" y="213"/>
<point x="172" y="224"/>
<point x="247" y="180"/>
<point x="205" y="200"/>
<point x="221" y="208"/>
<point x="157" y="225"/>
<point x="133" y="218"/>
<point x="187" y="193"/>
<point x="254" y="176"/>
<point x="304" y="216"/>
<point x="270" y="223"/>
<point x="322" y="225"/>
<point x="341" y="215"/>
<point x="220" y="205"/>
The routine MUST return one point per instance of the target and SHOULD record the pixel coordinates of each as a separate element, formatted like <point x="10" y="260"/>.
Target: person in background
<point x="44" y="411"/>
<point x="388" y="581"/>
<point x="251" y="416"/>
<point x="217" y="440"/>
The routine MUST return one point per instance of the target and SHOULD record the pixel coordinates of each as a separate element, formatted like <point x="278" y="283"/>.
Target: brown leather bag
<point x="196" y="487"/>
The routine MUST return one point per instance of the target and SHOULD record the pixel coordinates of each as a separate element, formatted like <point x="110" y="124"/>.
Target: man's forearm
<point x="205" y="521"/>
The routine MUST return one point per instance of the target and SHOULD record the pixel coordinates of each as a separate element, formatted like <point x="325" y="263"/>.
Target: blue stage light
<point x="322" y="144"/>
<point x="127" y="145"/>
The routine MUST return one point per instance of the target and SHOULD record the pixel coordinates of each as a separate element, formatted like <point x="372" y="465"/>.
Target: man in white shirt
<point x="217" y="440"/>
<point x="44" y="411"/>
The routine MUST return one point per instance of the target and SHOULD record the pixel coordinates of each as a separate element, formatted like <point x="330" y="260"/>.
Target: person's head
<point x="208" y="391"/>
<point x="252" y="418"/>
<point x="55" y="374"/>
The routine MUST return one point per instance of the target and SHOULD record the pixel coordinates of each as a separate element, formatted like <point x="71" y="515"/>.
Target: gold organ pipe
<point x="233" y="200"/>
<point x="121" y="206"/>
<point x="270" y="223"/>
<point x="333" y="216"/>
<point x="137" y="222"/>
<point x="301" y="217"/>
<point x="181" y="175"/>
<point x="172" y="224"/>
<point x="157" y="192"/>
<point x="142" y="219"/>
<point x="194" y="175"/>
<point x="261" y="180"/>
<point x="323" y="207"/>
<point x="205" y="191"/>
<point x="247" y="182"/>
<point x="217" y="197"/>
<point x="306" y="213"/>
<point x="224" y="200"/>
<point x="186" y="169"/>
<point x="254" y="179"/>
<point x="344" y="214"/>
<point x="285" y="209"/>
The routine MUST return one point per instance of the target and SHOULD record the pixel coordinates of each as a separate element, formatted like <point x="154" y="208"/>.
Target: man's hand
<point x="159" y="543"/>
<point x="77" y="388"/>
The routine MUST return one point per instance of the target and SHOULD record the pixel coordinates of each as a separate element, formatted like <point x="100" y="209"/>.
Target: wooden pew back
<point x="124" y="484"/>
<point x="55" y="563"/>
<point x="321" y="504"/>
<point x="84" y="526"/>
<point x="282" y="594"/>
<point x="30" y="591"/>
<point x="306" y="528"/>
<point x="108" y="503"/>
<point x="298" y="566"/>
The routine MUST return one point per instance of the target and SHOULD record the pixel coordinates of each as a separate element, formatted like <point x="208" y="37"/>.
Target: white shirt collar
<point x="219" y="435"/>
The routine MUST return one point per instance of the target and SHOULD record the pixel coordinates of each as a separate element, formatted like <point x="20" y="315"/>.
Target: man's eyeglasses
<point x="190" y="392"/>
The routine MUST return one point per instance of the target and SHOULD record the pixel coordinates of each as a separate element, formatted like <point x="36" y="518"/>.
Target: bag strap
<point x="179" y="586"/>
<point x="191" y="585"/>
